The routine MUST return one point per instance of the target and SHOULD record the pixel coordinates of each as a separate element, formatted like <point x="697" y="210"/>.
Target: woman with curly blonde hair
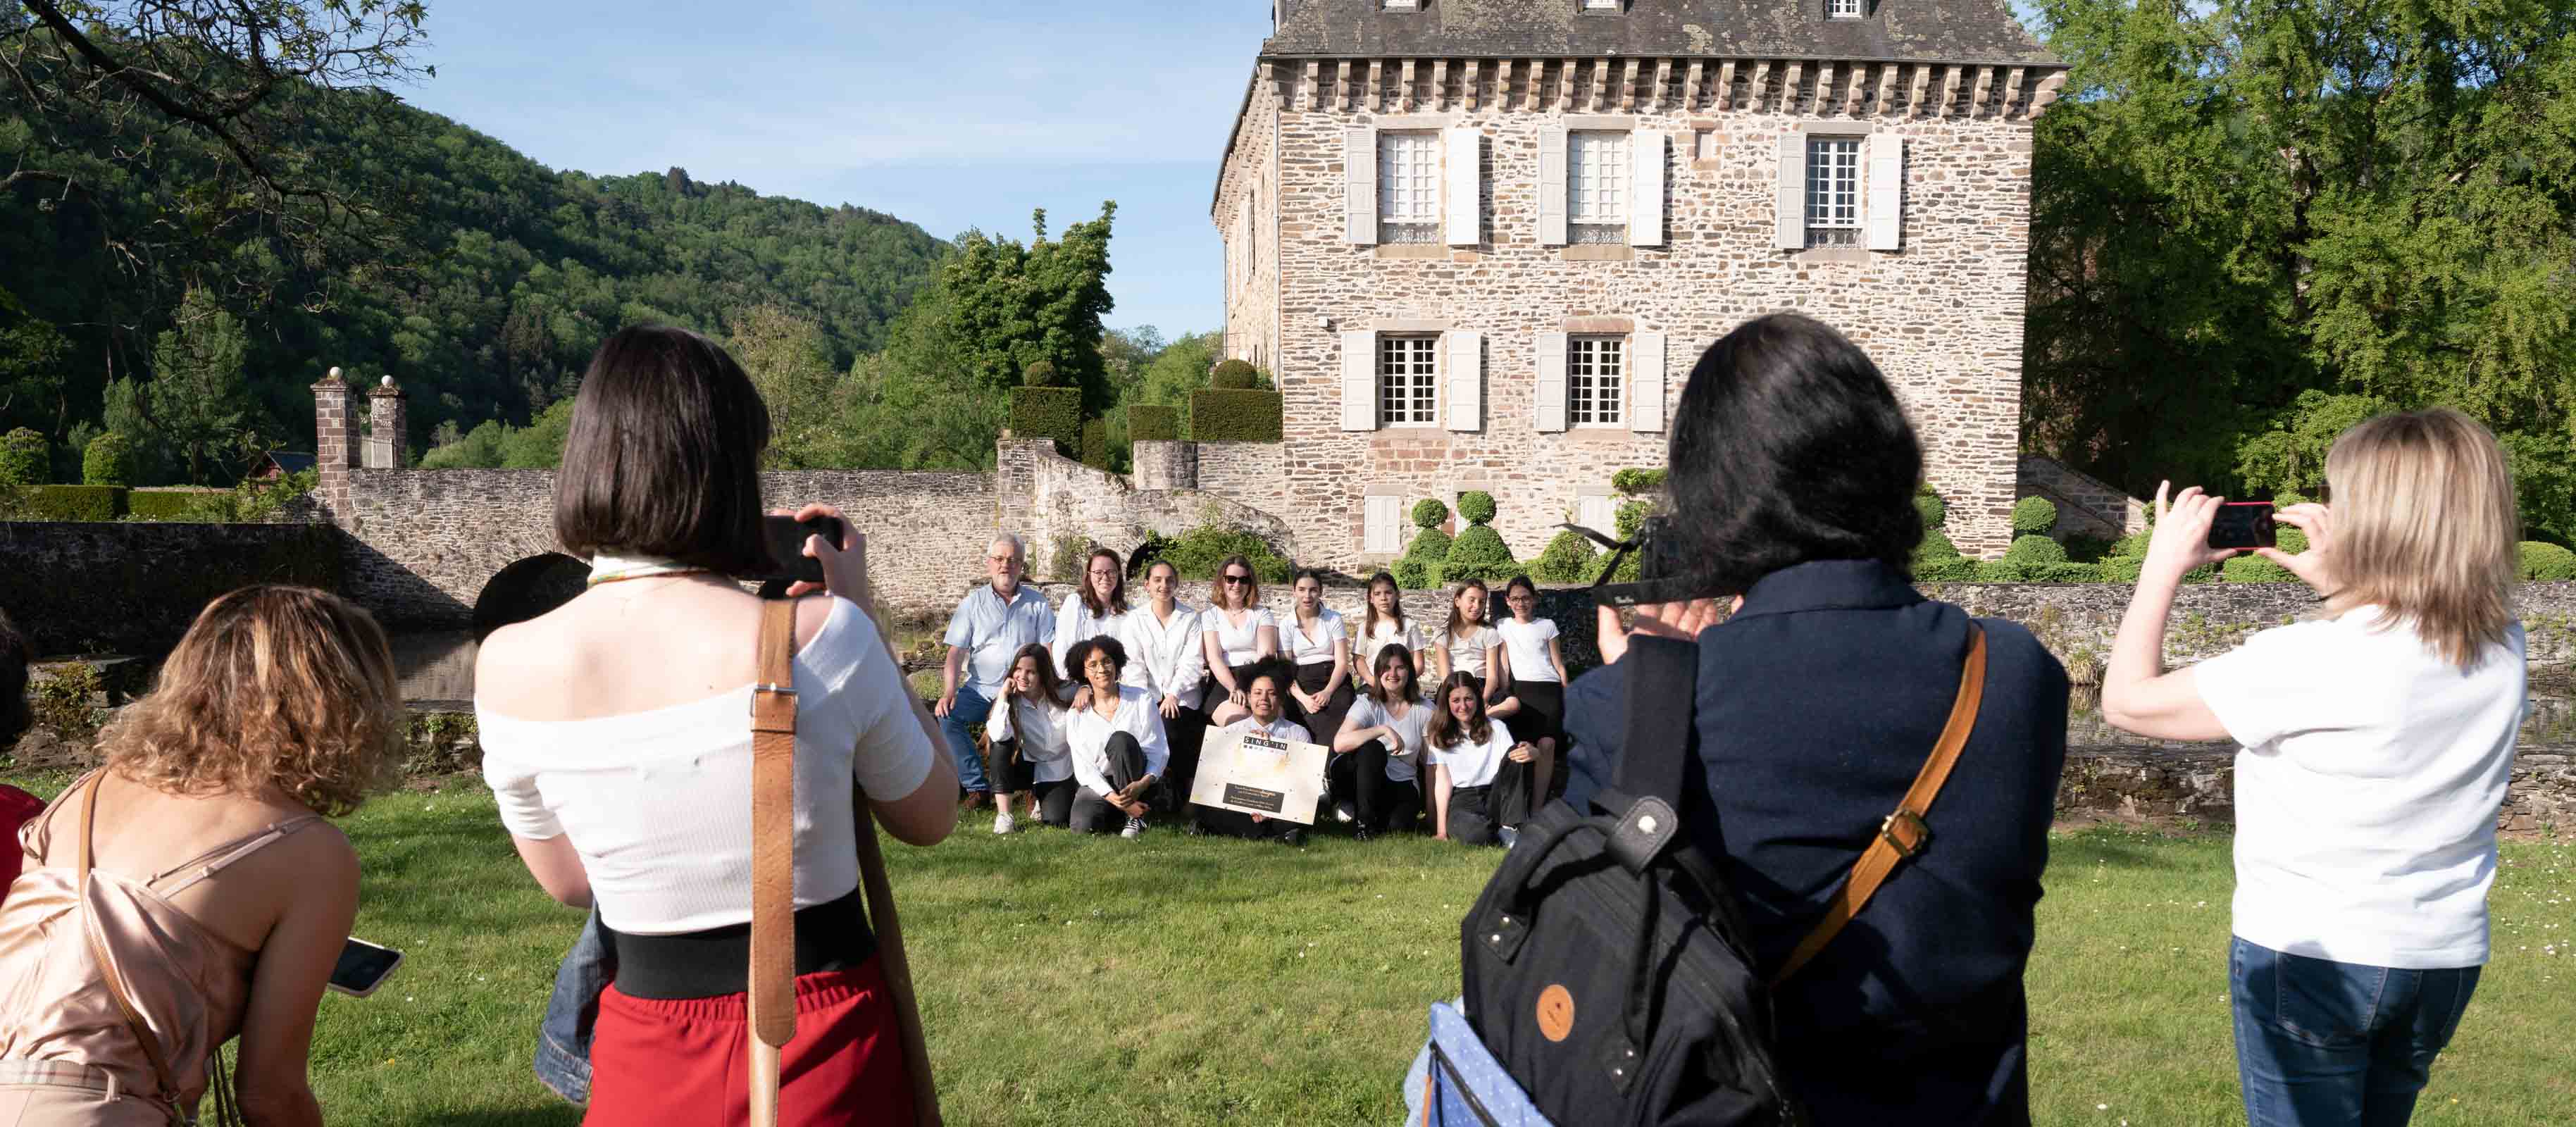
<point x="189" y="892"/>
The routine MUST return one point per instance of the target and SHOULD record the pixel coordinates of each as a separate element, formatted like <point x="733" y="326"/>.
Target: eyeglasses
<point x="1237" y="578"/>
<point x="1003" y="559"/>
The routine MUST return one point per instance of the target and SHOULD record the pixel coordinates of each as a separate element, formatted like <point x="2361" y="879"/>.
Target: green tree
<point x="539" y="445"/>
<point x="198" y="403"/>
<point x="1012" y="305"/>
<point x="790" y="361"/>
<point x="32" y="353"/>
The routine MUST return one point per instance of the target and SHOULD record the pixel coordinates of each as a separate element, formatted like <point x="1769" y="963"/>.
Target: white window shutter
<point x="1551" y="381"/>
<point x="1885" y="214"/>
<point x="1646" y="382"/>
<point x="1598" y="513"/>
<point x="1462" y="368"/>
<point x="1359" y="178"/>
<point x="1792" y="217"/>
<point x="1381" y="526"/>
<point x="1359" y="380"/>
<point x="1463" y="211"/>
<point x="1551" y="186"/>
<point x="1646" y="188"/>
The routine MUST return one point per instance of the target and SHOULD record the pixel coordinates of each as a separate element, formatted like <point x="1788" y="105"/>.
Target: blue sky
<point x="948" y="115"/>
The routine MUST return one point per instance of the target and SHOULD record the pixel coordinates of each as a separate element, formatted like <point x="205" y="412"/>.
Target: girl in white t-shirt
<point x="1382" y="625"/>
<point x="2375" y="743"/>
<point x="1238" y="633"/>
<point x="1027" y="731"/>
<point x="1537" y="676"/>
<point x="1378" y="753"/>
<point x="1479" y="774"/>
<point x="1320" y="648"/>
<point x="1468" y="644"/>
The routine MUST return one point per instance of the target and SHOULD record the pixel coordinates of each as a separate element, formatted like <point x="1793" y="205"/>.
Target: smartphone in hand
<point x="785" y="537"/>
<point x="2243" y="524"/>
<point x="363" y="967"/>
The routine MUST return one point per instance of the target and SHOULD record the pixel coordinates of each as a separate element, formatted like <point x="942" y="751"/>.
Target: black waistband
<point x="715" y="962"/>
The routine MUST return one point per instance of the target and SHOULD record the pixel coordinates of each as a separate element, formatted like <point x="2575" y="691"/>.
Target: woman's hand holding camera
<point x="845" y="565"/>
<point x="2313" y="566"/>
<point x="2181" y="540"/>
<point x="1663" y="620"/>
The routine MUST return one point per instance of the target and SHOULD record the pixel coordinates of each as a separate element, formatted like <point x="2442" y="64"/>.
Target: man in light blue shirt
<point x="988" y="629"/>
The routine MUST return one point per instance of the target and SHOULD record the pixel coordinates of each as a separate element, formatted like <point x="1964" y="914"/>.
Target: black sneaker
<point x="1363" y="833"/>
<point x="1296" y="838"/>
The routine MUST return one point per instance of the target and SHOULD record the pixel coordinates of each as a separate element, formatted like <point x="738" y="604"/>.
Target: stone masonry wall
<point x="1246" y="211"/>
<point x="2086" y="505"/>
<point x="1942" y="317"/>
<point x="129" y="586"/>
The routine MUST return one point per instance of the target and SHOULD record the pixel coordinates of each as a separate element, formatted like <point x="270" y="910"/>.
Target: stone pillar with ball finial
<point x="331" y="447"/>
<point x="384" y="449"/>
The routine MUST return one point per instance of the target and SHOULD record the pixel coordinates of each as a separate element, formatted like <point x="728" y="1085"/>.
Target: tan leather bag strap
<point x="1904" y="834"/>
<point x="771" y="982"/>
<point x="168" y="1095"/>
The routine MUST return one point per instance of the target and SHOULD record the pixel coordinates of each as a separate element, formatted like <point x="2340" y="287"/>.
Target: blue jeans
<point x="971" y="709"/>
<point x="2322" y="1042"/>
<point x="563" y="1039"/>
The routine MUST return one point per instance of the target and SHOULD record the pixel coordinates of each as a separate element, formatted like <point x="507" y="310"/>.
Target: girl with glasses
<point x="1534" y="675"/>
<point x="1237" y="633"/>
<point x="1095" y="608"/>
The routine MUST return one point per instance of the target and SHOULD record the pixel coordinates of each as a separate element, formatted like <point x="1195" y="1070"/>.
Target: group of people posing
<point x="1094" y="712"/>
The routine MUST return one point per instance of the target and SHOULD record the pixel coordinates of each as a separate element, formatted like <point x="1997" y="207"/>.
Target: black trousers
<point x="1186" y="732"/>
<point x="1359" y="776"/>
<point x="1092" y="812"/>
<point x="1326" y="722"/>
<point x="1012" y="774"/>
<point x="1471" y="820"/>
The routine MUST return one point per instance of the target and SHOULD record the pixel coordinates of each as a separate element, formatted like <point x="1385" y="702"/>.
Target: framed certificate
<point x="1254" y="774"/>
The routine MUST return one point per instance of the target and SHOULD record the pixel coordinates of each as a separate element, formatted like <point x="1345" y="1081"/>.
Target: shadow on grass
<point x="564" y="1116"/>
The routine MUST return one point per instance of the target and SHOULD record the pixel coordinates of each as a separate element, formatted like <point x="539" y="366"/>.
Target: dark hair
<point x="664" y="454"/>
<point x="1390" y="655"/>
<point x="1080" y="655"/>
<point x="14" y="659"/>
<point x="1117" y="594"/>
<point x="1444" y="729"/>
<point x="1251" y="585"/>
<point x="1449" y="633"/>
<point x="1789" y="446"/>
<point x="1282" y="675"/>
<point x="1049" y="685"/>
<point x="1518" y="582"/>
<point x="1368" y="609"/>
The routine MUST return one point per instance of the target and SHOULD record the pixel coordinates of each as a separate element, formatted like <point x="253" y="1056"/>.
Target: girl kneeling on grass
<point x="193" y="877"/>
<point x="1027" y="728"/>
<point x="1266" y="685"/>
<point x="2376" y="740"/>
<point x="617" y="739"/>
<point x="1479" y="774"/>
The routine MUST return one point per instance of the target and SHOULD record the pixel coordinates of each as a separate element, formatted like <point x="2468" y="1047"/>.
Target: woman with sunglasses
<point x="1237" y="632"/>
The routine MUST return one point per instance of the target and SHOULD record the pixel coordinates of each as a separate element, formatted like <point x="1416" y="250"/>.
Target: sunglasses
<point x="1237" y="578"/>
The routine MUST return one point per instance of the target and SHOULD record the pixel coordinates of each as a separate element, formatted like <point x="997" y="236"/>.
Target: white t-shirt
<point x="1526" y="642"/>
<point x="1312" y="645"/>
<point x="1475" y="764"/>
<point x="1384" y="634"/>
<point x="1241" y="642"/>
<point x="2366" y="789"/>
<point x="1282" y="728"/>
<point x="658" y="804"/>
<point x="1365" y="713"/>
<point x="1467" y="651"/>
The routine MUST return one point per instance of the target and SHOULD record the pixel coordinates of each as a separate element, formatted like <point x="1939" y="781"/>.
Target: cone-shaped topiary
<point x="1232" y="375"/>
<point x="2034" y="516"/>
<point x="1936" y="545"/>
<point x="1568" y="558"/>
<point x="1477" y="506"/>
<point x="2030" y="551"/>
<point x="1480" y="554"/>
<point x="1419" y="568"/>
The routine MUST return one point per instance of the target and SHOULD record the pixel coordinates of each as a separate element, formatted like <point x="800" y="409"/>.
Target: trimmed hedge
<point x="1416" y="575"/>
<point x="1095" y="443"/>
<point x="1148" y="423"/>
<point x="2001" y="571"/>
<point x="1635" y="482"/>
<point x="2034" y="516"/>
<point x="1048" y="412"/>
<point x="2034" y="550"/>
<point x="1928" y="506"/>
<point x="109" y="460"/>
<point x="1480" y="554"/>
<point x="72" y="502"/>
<point x="2132" y="546"/>
<point x="1953" y="569"/>
<point x="2254" y="569"/>
<point x="2121" y="569"/>
<point x="1199" y="551"/>
<point x="1232" y="375"/>
<point x="1232" y="415"/>
<point x="1429" y="512"/>
<point x="1566" y="559"/>
<point x="1627" y="521"/>
<point x="161" y="504"/>
<point x="1936" y="545"/>
<point x="2546" y="563"/>
<point x="1478" y="507"/>
<point x="24" y="455"/>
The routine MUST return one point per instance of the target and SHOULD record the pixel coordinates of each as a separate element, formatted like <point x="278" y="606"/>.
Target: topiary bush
<point x="24" y="455"/>
<point x="1095" y="444"/>
<point x="1952" y="569"/>
<point x="1568" y="558"/>
<point x="1419" y="568"/>
<point x="2121" y="569"/>
<point x="1627" y="522"/>
<point x="2034" y="516"/>
<point x="2544" y="562"/>
<point x="1477" y="507"/>
<point x="1637" y="482"/>
<point x="109" y="460"/>
<point x="161" y="504"/>
<point x="2000" y="571"/>
<point x="1148" y="423"/>
<point x="1936" y="545"/>
<point x="2254" y="569"/>
<point x="1235" y="415"/>
<point x="2067" y="572"/>
<point x="1927" y="505"/>
<point x="1039" y="373"/>
<point x="2032" y="550"/>
<point x="1233" y="375"/>
<point x="1479" y="554"/>
<point x="1429" y="512"/>
<point x="2291" y="540"/>
<point x="1416" y="575"/>
<point x="1048" y="412"/>
<point x="72" y="502"/>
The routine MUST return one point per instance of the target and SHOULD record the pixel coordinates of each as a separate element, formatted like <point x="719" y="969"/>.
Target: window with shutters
<point x="1833" y="191"/>
<point x="1597" y="171"/>
<point x="1408" y="380"/>
<point x="1595" y="381"/>
<point x="1408" y="187"/>
<point x="1843" y="9"/>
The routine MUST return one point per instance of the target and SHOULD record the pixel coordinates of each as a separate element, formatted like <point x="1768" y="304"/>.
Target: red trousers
<point x="687" y="1061"/>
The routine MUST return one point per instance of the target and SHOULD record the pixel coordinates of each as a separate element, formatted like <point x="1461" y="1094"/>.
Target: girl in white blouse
<point x="1116" y="737"/>
<point x="1476" y="767"/>
<point x="1382" y="625"/>
<point x="1167" y="658"/>
<point x="1027" y="728"/>
<point x="1379" y="749"/>
<point x="1535" y="668"/>
<point x="1238" y="632"/>
<point x="1321" y="650"/>
<point x="1095" y="609"/>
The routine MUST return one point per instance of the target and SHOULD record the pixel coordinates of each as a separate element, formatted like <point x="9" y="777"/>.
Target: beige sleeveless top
<point x="190" y="984"/>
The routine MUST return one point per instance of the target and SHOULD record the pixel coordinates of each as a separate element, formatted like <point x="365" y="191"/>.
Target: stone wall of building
<point x="1942" y="316"/>
<point x="130" y="586"/>
<point x="1245" y="209"/>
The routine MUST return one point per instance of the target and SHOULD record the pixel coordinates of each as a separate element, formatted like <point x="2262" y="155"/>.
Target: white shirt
<point x="1074" y="622"/>
<point x="1384" y="634"/>
<point x="1241" y="643"/>
<point x="1475" y="764"/>
<point x="993" y="632"/>
<point x="1040" y="730"/>
<point x="2366" y="789"/>
<point x="1279" y="729"/>
<point x="1164" y="658"/>
<point x="1526" y="645"/>
<point x="658" y="803"/>
<point x="1087" y="734"/>
<point x="1400" y="763"/>
<point x="1315" y="648"/>
<point x="1467" y="651"/>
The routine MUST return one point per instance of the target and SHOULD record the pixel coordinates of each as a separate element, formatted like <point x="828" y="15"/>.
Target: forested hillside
<point x="477" y="277"/>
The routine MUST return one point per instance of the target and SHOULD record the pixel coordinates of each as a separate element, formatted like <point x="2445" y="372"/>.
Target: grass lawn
<point x="1198" y="981"/>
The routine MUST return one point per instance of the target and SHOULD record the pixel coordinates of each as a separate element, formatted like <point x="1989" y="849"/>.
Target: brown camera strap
<point x="168" y="1094"/>
<point x="1904" y="833"/>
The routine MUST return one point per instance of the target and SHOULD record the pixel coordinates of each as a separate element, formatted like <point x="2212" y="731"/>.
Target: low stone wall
<point x="123" y="587"/>
<point x="2197" y="783"/>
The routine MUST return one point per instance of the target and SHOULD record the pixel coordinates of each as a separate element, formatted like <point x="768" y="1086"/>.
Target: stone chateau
<point x="1481" y="243"/>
